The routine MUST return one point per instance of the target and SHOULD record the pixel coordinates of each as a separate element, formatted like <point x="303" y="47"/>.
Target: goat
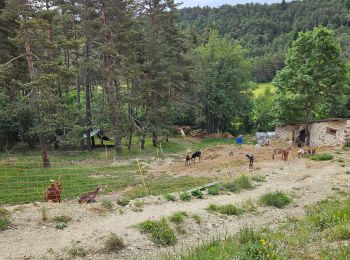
<point x="53" y="192"/>
<point x="195" y="155"/>
<point x="250" y="157"/>
<point x="257" y="146"/>
<point x="89" y="197"/>
<point x="277" y="151"/>
<point x="230" y="153"/>
<point x="285" y="153"/>
<point x="188" y="159"/>
<point x="301" y="153"/>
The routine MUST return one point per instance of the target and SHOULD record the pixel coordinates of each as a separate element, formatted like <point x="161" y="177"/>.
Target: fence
<point x="24" y="182"/>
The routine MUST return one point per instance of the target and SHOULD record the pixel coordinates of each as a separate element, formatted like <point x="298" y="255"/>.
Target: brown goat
<point x="53" y="192"/>
<point x="283" y="151"/>
<point x="188" y="159"/>
<point x="89" y="197"/>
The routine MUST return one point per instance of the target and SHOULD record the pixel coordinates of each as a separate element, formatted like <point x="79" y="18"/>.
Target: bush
<point x="160" y="232"/>
<point x="178" y="217"/>
<point x="114" y="244"/>
<point x="123" y="202"/>
<point x="185" y="196"/>
<point x="322" y="157"/>
<point x="276" y="199"/>
<point x="62" y="219"/>
<point x="198" y="194"/>
<point x="5" y="221"/>
<point x="258" y="178"/>
<point x="227" y="209"/>
<point x="214" y="190"/>
<point x="44" y="213"/>
<point x="77" y="251"/>
<point x="241" y="182"/>
<point x="170" y="197"/>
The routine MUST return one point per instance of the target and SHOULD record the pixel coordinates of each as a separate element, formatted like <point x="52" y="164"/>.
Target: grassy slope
<point x="324" y="233"/>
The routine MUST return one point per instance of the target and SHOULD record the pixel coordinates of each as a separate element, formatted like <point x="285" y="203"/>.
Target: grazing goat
<point x="250" y="157"/>
<point x="277" y="151"/>
<point x="188" y="159"/>
<point x="301" y="153"/>
<point x="53" y="192"/>
<point x="283" y="151"/>
<point x="89" y="197"/>
<point x="230" y="153"/>
<point x="195" y="155"/>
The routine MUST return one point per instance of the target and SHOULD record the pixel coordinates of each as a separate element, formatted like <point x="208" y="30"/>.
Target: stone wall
<point x="328" y="133"/>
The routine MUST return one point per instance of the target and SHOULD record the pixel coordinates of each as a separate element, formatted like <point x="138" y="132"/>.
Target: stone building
<point x="328" y="132"/>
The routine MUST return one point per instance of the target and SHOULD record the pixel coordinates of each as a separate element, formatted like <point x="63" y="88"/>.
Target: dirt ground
<point x="306" y="181"/>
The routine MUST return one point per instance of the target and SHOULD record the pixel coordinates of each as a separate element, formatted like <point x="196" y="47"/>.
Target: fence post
<point x="143" y="180"/>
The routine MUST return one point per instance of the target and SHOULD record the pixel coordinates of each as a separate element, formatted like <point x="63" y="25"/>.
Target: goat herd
<point x="53" y="192"/>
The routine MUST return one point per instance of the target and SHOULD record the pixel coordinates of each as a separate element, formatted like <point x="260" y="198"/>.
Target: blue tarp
<point x="239" y="140"/>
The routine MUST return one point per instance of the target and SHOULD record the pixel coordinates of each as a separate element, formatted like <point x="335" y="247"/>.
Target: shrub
<point x="185" y="196"/>
<point x="4" y="219"/>
<point x="198" y="194"/>
<point x="123" y="202"/>
<point x="196" y="218"/>
<point x="139" y="203"/>
<point x="214" y="190"/>
<point x="339" y="232"/>
<point x="277" y="199"/>
<point x="77" y="251"/>
<point x="170" y="197"/>
<point x="160" y="232"/>
<point x="241" y="182"/>
<point x="322" y="157"/>
<point x="178" y="217"/>
<point x="114" y="244"/>
<point x="62" y="219"/>
<point x="247" y="234"/>
<point x="227" y="209"/>
<point x="108" y="204"/>
<point x="61" y="225"/>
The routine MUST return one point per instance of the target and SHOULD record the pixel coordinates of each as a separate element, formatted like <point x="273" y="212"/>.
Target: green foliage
<point x="44" y="213"/>
<point x="123" y="202"/>
<point x="77" y="250"/>
<point x="185" y="196"/>
<point x="241" y="182"/>
<point x="178" y="217"/>
<point x="258" y="178"/>
<point x="214" y="190"/>
<point x="277" y="199"/>
<point x="113" y="244"/>
<point x="160" y="232"/>
<point x="227" y="209"/>
<point x="322" y="157"/>
<point x="198" y="194"/>
<point x="170" y="197"/>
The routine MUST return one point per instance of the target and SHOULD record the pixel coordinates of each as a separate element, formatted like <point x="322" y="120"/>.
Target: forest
<point x="137" y="69"/>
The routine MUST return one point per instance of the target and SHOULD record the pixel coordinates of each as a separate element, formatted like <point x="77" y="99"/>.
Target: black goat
<point x="195" y="155"/>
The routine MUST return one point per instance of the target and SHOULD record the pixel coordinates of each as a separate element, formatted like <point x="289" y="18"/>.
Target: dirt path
<point x="30" y="237"/>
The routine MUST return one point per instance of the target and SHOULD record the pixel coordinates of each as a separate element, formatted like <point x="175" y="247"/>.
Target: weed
<point x="198" y="194"/>
<point x="170" y="197"/>
<point x="137" y="209"/>
<point x="258" y="178"/>
<point x="247" y="234"/>
<point x="339" y="232"/>
<point x="228" y="209"/>
<point x="77" y="250"/>
<point x="113" y="244"/>
<point x="178" y="217"/>
<point x="322" y="157"/>
<point x="196" y="218"/>
<point x="108" y="204"/>
<point x="44" y="213"/>
<point x="214" y="190"/>
<point x="4" y="219"/>
<point x="160" y="232"/>
<point x="62" y="219"/>
<point x="139" y="203"/>
<point x="277" y="199"/>
<point x="249" y="206"/>
<point x="241" y="182"/>
<point x="123" y="202"/>
<point x="61" y="225"/>
<point x="180" y="230"/>
<point x="185" y="196"/>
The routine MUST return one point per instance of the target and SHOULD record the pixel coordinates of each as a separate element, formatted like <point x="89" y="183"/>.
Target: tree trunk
<point x="44" y="153"/>
<point x="306" y="126"/>
<point x="154" y="139"/>
<point x="29" y="55"/>
<point x="143" y="140"/>
<point x="130" y="139"/>
<point x="87" y="98"/>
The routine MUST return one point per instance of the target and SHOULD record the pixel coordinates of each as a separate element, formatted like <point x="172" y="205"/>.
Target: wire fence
<point x="24" y="182"/>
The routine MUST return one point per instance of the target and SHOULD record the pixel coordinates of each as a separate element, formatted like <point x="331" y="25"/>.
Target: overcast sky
<point x="216" y="3"/>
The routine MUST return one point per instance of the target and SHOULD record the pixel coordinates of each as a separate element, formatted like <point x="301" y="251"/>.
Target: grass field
<point x="23" y="180"/>
<point x="262" y="87"/>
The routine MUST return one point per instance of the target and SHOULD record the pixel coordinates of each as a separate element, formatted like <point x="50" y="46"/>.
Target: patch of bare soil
<point x="305" y="180"/>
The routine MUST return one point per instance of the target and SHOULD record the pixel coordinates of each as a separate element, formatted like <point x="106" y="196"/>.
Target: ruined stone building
<point x="327" y="132"/>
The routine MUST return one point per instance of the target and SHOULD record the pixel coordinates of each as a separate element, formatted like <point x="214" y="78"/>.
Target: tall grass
<point x="277" y="199"/>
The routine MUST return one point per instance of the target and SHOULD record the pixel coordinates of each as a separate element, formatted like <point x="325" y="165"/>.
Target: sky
<point x="216" y="3"/>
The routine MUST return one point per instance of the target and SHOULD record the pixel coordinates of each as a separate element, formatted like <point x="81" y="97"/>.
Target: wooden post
<point x="143" y="180"/>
